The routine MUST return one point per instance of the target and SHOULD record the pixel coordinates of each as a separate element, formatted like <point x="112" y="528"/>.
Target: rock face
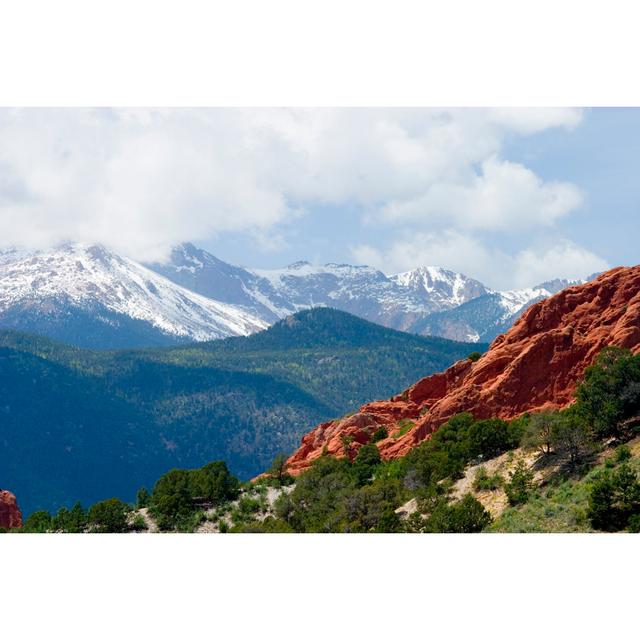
<point x="10" y="516"/>
<point x="536" y="365"/>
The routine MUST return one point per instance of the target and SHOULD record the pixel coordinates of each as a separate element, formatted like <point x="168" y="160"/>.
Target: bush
<point x="489" y="438"/>
<point x="38" y="522"/>
<point x="180" y="493"/>
<point x="380" y="434"/>
<point x="70" y="521"/>
<point x="623" y="453"/>
<point x="214" y="483"/>
<point x="474" y="356"/>
<point x="572" y="436"/>
<point x="634" y="524"/>
<point x="139" y="523"/>
<point x="270" y="525"/>
<point x="278" y="471"/>
<point x="484" y="482"/>
<point x="465" y="516"/>
<point x="366" y="462"/>
<point x="614" y="499"/>
<point x="109" y="516"/>
<point x="539" y="432"/>
<point x="610" y="391"/>
<point x="520" y="484"/>
<point x="142" y="498"/>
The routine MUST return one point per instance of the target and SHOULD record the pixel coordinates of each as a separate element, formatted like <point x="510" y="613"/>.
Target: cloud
<point x="529" y="121"/>
<point x="565" y="260"/>
<point x="503" y="196"/>
<point x="468" y="254"/>
<point x="142" y="180"/>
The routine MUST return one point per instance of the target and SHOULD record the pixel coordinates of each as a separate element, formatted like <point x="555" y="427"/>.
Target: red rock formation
<point x="10" y="516"/>
<point x="535" y="365"/>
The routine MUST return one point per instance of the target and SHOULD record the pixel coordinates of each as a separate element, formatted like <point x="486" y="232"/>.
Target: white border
<point x="315" y="586"/>
<point x="312" y="53"/>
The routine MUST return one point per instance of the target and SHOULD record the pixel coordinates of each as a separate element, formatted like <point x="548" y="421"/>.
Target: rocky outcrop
<point x="10" y="516"/>
<point x="536" y="365"/>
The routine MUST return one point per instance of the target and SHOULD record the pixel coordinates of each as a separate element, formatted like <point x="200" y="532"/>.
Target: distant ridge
<point x="89" y="296"/>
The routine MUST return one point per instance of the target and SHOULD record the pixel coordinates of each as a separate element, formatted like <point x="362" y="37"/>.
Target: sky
<point x="512" y="197"/>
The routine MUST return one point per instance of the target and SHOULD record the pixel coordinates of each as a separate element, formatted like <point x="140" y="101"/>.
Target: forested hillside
<point x="87" y="425"/>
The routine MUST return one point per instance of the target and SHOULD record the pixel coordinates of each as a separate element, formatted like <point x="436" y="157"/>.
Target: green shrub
<point x="181" y="493"/>
<point x="142" y="498"/>
<point x="380" y="434"/>
<point x="614" y="499"/>
<point x="610" y="391"/>
<point x="520" y="484"/>
<point x="474" y="356"/>
<point x="572" y="437"/>
<point x="269" y="525"/>
<point x="634" y="524"/>
<point x="484" y="482"/>
<point x="465" y="516"/>
<point x="489" y="438"/>
<point x="623" y="453"/>
<point x="278" y="471"/>
<point x="139" y="523"/>
<point x="405" y="425"/>
<point x="109" y="516"/>
<point x="366" y="463"/>
<point x="540" y="430"/>
<point x="70" y="521"/>
<point x="38" y="522"/>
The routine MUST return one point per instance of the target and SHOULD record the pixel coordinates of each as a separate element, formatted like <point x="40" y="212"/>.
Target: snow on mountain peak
<point x="448" y="288"/>
<point x="89" y="275"/>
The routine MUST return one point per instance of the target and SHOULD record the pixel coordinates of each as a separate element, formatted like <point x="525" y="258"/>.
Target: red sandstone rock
<point x="10" y="516"/>
<point x="536" y="365"/>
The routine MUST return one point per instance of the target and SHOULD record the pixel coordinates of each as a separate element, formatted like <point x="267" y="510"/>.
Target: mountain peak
<point x="450" y="288"/>
<point x="294" y="266"/>
<point x="78" y="284"/>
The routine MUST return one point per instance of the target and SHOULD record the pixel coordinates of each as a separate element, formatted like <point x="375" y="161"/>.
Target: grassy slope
<point x="559" y="503"/>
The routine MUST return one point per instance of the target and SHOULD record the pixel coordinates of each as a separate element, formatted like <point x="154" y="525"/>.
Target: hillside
<point x="536" y="365"/>
<point x="81" y="424"/>
<point x="576" y="469"/>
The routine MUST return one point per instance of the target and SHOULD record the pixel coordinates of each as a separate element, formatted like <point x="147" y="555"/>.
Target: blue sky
<point x="601" y="156"/>
<point x="509" y="196"/>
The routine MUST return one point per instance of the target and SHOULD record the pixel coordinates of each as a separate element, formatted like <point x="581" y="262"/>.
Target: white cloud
<point x="565" y="260"/>
<point x="504" y="196"/>
<point x="470" y="255"/>
<point x="528" y="121"/>
<point x="141" y="180"/>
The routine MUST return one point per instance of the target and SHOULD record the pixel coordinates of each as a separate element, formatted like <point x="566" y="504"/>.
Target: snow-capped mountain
<point x="87" y="295"/>
<point x="398" y="301"/>
<point x="485" y="317"/>
<point x="427" y="300"/>
<point x="440" y="288"/>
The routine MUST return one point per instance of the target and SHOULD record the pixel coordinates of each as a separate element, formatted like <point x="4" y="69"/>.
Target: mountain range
<point x="89" y="296"/>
